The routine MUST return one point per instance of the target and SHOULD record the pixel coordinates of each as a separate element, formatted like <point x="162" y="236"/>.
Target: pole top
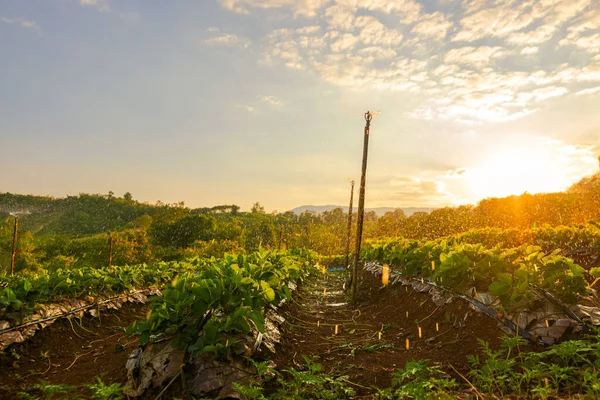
<point x="368" y="116"/>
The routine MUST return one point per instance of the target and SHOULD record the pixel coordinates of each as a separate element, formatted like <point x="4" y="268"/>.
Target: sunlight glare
<point x="518" y="170"/>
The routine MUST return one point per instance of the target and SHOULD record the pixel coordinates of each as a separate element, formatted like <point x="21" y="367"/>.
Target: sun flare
<point x="517" y="170"/>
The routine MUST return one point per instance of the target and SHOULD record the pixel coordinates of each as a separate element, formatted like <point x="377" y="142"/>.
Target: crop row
<point x="578" y="242"/>
<point x="20" y="294"/>
<point x="509" y="273"/>
<point x="203" y="311"/>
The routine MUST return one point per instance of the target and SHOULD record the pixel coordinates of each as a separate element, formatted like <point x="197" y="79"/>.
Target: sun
<point x="517" y="170"/>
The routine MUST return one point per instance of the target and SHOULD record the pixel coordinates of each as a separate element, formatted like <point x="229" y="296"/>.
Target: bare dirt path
<point x="370" y="343"/>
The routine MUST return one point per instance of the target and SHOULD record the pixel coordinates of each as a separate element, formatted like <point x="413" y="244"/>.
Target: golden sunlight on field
<point x="532" y="169"/>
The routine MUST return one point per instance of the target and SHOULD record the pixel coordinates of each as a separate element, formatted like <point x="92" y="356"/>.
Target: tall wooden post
<point x="361" y="206"/>
<point x="349" y="233"/>
<point x="110" y="249"/>
<point x="14" y="248"/>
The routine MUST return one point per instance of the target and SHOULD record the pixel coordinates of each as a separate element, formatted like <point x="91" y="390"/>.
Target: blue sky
<point x="236" y="101"/>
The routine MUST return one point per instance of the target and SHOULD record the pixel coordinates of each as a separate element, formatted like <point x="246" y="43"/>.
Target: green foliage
<point x="102" y="391"/>
<point x="20" y="294"/>
<point x="564" y="369"/>
<point x="203" y="308"/>
<point x="314" y="384"/>
<point x="310" y="383"/>
<point x="420" y="381"/>
<point x="54" y="391"/>
<point x="508" y="273"/>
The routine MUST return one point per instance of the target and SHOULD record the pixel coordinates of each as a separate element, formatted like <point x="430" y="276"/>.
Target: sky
<point x="237" y="101"/>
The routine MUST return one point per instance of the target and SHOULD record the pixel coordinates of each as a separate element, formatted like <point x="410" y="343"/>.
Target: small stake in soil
<point x="324" y="291"/>
<point x="547" y="324"/>
<point x="407" y="344"/>
<point x="318" y="323"/>
<point x="336" y="329"/>
<point x="437" y="327"/>
<point x="433" y="265"/>
<point x="422" y="280"/>
<point x="380" y="335"/>
<point x="407" y="314"/>
<point x="385" y="274"/>
<point x="420" y="333"/>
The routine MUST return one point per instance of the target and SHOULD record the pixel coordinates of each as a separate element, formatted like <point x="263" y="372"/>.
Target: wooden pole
<point x="110" y="249"/>
<point x="14" y="248"/>
<point x="361" y="206"/>
<point x="349" y="233"/>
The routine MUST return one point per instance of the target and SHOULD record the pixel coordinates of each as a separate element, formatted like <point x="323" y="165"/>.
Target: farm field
<point x="398" y="341"/>
<point x="486" y="301"/>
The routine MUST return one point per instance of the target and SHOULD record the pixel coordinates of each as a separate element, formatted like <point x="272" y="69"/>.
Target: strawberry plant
<point x="202" y="311"/>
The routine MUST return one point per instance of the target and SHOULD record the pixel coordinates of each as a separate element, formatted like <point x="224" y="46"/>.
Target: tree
<point x="257" y="208"/>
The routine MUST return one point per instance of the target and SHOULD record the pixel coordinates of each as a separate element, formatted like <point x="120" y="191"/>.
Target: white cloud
<point x="307" y="30"/>
<point x="25" y="23"/>
<point x="228" y="39"/>
<point x="395" y="45"/>
<point x="100" y="5"/>
<point x="506" y="17"/>
<point x="475" y="56"/>
<point x="373" y="32"/>
<point x="301" y="7"/>
<point x="588" y="91"/>
<point x="530" y="50"/>
<point x="271" y="100"/>
<point x="432" y="26"/>
<point x="585" y="32"/>
<point x="408" y="191"/>
<point x="248" y="108"/>
<point x="344" y="42"/>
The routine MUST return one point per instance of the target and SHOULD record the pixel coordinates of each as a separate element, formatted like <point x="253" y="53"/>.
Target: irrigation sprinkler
<point x="361" y="205"/>
<point x="349" y="233"/>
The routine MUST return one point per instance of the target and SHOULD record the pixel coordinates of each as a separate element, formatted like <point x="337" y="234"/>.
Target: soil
<point x="358" y="352"/>
<point x="72" y="352"/>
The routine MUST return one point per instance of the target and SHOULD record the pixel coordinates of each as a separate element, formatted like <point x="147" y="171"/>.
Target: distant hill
<point x="85" y="214"/>
<point x="408" y="211"/>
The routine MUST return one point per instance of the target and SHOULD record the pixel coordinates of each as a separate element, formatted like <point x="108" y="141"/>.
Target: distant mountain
<point x="408" y="211"/>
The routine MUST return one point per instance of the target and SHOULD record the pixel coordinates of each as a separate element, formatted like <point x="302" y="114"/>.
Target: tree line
<point x="76" y="230"/>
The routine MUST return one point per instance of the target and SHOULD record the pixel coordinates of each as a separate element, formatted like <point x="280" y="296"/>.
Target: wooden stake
<point x="324" y="291"/>
<point x="336" y="330"/>
<point x="407" y="344"/>
<point x="14" y="248"/>
<point x="547" y="324"/>
<point x="380" y="335"/>
<point x="433" y="265"/>
<point x="437" y="327"/>
<point x="349" y="232"/>
<point x="407" y="314"/>
<point x="318" y="323"/>
<point x="110" y="249"/>
<point x="420" y="333"/>
<point x="361" y="206"/>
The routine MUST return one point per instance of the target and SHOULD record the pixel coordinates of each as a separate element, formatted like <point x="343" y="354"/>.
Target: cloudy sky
<point x="236" y="101"/>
